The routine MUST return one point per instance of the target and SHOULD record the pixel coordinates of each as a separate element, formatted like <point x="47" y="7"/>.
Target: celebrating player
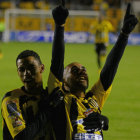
<point x="26" y="111"/>
<point x="77" y="116"/>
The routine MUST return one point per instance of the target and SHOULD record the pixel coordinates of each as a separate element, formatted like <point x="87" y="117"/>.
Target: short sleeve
<point x="100" y="94"/>
<point x="12" y="115"/>
<point x="53" y="83"/>
<point x="110" y="27"/>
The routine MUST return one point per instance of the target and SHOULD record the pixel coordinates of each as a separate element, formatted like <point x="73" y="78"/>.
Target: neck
<point x="34" y="90"/>
<point x="79" y="94"/>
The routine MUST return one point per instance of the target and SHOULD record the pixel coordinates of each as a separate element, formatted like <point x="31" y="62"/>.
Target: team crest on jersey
<point x="88" y="111"/>
<point x="94" y="107"/>
<point x="13" y="113"/>
<point x="93" y="103"/>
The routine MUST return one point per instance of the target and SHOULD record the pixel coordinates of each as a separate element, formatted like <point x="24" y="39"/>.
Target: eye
<point x="21" y="69"/>
<point x="74" y="70"/>
<point x="32" y="68"/>
<point x="83" y="68"/>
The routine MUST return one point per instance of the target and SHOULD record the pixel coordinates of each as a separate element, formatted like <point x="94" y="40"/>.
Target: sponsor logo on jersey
<point x="13" y="113"/>
<point x="86" y="136"/>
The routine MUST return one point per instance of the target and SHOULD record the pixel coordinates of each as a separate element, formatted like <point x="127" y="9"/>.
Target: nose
<point x="27" y="72"/>
<point x="82" y="71"/>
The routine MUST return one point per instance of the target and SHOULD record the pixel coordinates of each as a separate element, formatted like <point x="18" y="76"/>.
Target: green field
<point x="123" y="104"/>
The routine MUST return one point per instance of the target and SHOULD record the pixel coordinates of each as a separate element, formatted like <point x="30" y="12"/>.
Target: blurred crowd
<point x="111" y="9"/>
<point x="71" y="4"/>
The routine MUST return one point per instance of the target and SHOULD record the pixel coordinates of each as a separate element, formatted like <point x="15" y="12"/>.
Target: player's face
<point x="76" y="77"/>
<point x="30" y="72"/>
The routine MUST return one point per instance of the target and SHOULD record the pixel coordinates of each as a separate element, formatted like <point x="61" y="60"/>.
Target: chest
<point x="102" y="28"/>
<point x="29" y="106"/>
<point x="80" y="108"/>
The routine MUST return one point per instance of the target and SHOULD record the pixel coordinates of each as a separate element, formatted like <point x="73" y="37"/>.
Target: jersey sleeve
<point x="112" y="61"/>
<point x="11" y="113"/>
<point x="58" y="49"/>
<point x="109" y="25"/>
<point x="99" y="93"/>
<point x="53" y="83"/>
<point x="57" y="62"/>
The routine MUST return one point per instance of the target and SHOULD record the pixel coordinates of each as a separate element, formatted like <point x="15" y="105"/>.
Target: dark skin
<point x="71" y="79"/>
<point x="76" y="79"/>
<point x="30" y="72"/>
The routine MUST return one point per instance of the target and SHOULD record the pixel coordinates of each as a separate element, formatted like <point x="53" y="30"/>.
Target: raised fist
<point x="60" y="15"/>
<point x="129" y="22"/>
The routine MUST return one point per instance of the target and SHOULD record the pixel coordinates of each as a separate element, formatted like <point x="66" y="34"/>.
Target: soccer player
<point x="101" y="30"/>
<point x="26" y="111"/>
<point x="73" y="118"/>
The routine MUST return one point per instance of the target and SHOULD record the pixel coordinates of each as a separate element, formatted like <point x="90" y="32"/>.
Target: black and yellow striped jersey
<point x="72" y="110"/>
<point x="22" y="113"/>
<point x="101" y="31"/>
<point x="19" y="109"/>
<point x="67" y="118"/>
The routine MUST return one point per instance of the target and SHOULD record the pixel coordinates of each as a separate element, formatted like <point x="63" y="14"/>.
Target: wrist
<point x="62" y="25"/>
<point x="125" y="34"/>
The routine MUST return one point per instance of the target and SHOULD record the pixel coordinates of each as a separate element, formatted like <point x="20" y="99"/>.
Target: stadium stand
<point x="5" y="5"/>
<point x="26" y="5"/>
<point x="113" y="13"/>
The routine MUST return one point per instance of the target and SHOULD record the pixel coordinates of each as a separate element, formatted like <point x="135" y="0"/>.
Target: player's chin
<point x="30" y="84"/>
<point x="83" y="86"/>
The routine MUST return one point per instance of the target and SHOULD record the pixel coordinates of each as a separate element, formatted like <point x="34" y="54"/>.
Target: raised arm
<point x="109" y="70"/>
<point x="60" y="14"/>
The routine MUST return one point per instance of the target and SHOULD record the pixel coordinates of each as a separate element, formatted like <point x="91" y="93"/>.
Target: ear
<point x="42" y="68"/>
<point x="66" y="87"/>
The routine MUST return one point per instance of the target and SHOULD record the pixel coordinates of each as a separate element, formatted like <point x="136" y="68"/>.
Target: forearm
<point x="57" y="63"/>
<point x="109" y="70"/>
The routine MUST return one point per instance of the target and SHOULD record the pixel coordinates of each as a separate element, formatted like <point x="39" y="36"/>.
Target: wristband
<point x="124" y="33"/>
<point x="62" y="25"/>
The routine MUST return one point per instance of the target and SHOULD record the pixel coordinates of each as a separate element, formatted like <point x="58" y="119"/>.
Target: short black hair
<point x="27" y="53"/>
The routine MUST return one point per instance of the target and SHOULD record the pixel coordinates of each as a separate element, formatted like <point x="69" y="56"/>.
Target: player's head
<point x="30" y="69"/>
<point x="27" y="53"/>
<point x="75" y="78"/>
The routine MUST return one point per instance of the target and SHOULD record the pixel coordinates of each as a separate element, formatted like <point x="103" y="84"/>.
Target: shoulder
<point x="68" y="97"/>
<point x="8" y="94"/>
<point x="11" y="99"/>
<point x="97" y="86"/>
<point x="53" y="83"/>
<point x="98" y="89"/>
<point x="108" y="24"/>
<point x="13" y="94"/>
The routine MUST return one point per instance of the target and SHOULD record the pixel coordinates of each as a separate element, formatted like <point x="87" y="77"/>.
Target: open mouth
<point x="83" y="78"/>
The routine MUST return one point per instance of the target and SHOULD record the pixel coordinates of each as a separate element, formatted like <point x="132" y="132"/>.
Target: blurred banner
<point x="70" y="37"/>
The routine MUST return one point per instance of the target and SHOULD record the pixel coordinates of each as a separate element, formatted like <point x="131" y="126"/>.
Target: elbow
<point x="106" y="83"/>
